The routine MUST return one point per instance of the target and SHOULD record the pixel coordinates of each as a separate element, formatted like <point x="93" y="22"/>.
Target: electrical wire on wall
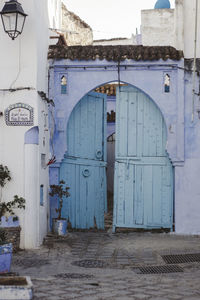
<point x="15" y="89"/>
<point x="118" y="71"/>
<point x="19" y="65"/>
<point x="194" y="65"/>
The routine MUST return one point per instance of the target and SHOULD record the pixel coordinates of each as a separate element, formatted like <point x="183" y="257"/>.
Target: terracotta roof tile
<point x="114" y="53"/>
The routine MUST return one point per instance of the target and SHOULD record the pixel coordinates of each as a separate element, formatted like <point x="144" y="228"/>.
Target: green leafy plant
<point x="61" y="191"/>
<point x="4" y="175"/>
<point x="17" y="202"/>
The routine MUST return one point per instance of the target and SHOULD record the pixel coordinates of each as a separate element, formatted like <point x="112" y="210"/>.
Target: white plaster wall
<point x="189" y="28"/>
<point x="31" y="179"/>
<point x="157" y="27"/>
<point x="179" y="25"/>
<point x="54" y="13"/>
<point x="23" y="63"/>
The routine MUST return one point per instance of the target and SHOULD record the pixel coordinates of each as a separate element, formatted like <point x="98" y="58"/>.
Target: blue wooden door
<point x="84" y="165"/>
<point x="143" y="195"/>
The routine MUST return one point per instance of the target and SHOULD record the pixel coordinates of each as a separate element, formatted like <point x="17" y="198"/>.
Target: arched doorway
<point x="143" y="188"/>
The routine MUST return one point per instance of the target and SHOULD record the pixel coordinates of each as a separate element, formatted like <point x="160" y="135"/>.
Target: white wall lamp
<point x="13" y="18"/>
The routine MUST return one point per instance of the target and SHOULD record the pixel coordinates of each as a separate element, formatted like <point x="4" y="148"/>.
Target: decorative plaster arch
<point x="148" y="77"/>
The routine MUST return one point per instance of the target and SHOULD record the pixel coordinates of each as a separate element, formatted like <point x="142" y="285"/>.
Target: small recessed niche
<point x="63" y="84"/>
<point x="167" y="83"/>
<point x="43" y="161"/>
<point x="41" y="195"/>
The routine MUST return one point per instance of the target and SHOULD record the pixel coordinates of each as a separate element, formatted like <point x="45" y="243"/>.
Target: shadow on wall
<point x="32" y="136"/>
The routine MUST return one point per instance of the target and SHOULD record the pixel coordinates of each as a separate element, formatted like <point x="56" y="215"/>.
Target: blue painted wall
<point x="183" y="137"/>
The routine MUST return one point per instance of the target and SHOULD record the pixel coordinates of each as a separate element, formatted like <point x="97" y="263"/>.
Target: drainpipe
<point x="195" y="57"/>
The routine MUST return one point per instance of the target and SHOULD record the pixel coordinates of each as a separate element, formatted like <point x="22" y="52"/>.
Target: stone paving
<point x="99" y="265"/>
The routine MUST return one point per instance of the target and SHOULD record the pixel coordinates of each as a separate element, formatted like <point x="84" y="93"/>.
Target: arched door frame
<point x="166" y="119"/>
<point x="148" y="76"/>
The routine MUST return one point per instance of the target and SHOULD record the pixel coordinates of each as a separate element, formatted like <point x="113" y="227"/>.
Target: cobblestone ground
<point x="105" y="266"/>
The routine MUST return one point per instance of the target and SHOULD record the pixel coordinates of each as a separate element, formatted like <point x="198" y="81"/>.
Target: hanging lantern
<point x="13" y="18"/>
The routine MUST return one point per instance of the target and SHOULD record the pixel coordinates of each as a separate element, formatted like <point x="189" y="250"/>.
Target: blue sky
<point x="111" y="18"/>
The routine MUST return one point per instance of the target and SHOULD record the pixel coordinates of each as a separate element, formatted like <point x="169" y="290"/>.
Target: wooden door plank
<point x="148" y="195"/>
<point x="90" y="197"/>
<point x="102" y="191"/>
<point x="83" y="199"/>
<point x="146" y="128"/>
<point x="140" y="120"/>
<point x="84" y="127"/>
<point x="129" y="194"/>
<point x="121" y="125"/>
<point x="77" y="222"/>
<point x="91" y="138"/>
<point x="132" y="120"/>
<point x="75" y="129"/>
<point x="99" y="130"/>
<point x="167" y="193"/>
<point x="119" y="193"/>
<point x="157" y="176"/>
<point x="139" y="196"/>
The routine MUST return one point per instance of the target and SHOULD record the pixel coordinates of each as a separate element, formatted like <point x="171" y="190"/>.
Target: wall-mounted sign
<point x="19" y="114"/>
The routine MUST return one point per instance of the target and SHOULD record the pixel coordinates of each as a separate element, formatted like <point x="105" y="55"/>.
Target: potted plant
<point x="60" y="190"/>
<point x="5" y="253"/>
<point x="8" y="221"/>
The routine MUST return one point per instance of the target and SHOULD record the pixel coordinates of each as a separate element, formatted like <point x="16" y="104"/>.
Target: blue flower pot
<point x="5" y="258"/>
<point x="60" y="227"/>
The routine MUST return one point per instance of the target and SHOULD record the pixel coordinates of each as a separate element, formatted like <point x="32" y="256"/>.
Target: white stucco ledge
<point x="16" y="288"/>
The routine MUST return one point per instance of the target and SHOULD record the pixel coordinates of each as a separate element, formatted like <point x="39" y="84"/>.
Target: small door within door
<point x="84" y="165"/>
<point x="143" y="194"/>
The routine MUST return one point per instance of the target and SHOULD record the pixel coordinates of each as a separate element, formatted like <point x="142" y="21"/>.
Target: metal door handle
<point x="98" y="154"/>
<point x="86" y="172"/>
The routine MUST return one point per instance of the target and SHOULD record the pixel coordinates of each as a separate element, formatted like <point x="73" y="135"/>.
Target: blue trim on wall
<point x="32" y="136"/>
